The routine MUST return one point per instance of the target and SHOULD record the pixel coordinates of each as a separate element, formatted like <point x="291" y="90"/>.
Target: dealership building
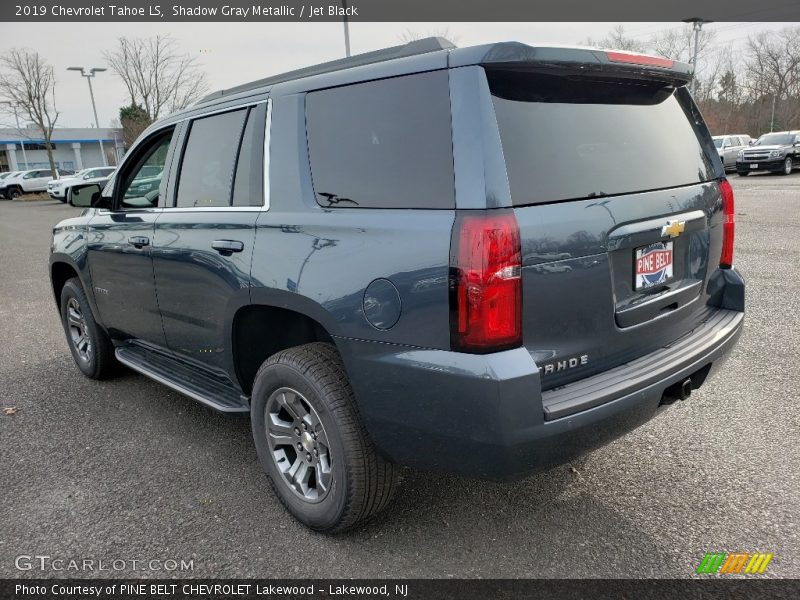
<point x="73" y="149"/>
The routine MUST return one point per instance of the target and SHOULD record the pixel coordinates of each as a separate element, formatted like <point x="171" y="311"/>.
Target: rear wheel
<point x="311" y="442"/>
<point x="89" y="343"/>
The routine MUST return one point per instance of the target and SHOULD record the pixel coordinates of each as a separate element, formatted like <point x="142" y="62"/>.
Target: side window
<point x="248" y="181"/>
<point x="206" y="172"/>
<point x="30" y="175"/>
<point x="141" y="184"/>
<point x="383" y="144"/>
<point x="735" y="141"/>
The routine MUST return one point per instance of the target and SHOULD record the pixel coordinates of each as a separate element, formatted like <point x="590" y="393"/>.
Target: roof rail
<point x="422" y="46"/>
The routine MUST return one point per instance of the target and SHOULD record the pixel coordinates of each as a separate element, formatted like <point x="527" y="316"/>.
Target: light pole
<point x="21" y="142"/>
<point x="89" y="72"/>
<point x="697" y="25"/>
<point x="346" y="30"/>
<point x="772" y="119"/>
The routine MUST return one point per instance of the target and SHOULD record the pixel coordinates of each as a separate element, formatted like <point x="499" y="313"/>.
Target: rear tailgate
<point x="616" y="194"/>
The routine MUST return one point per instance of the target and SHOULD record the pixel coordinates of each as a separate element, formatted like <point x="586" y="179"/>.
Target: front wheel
<point x="13" y="193"/>
<point x="787" y="166"/>
<point x="311" y="442"/>
<point x="743" y="173"/>
<point x="89" y="343"/>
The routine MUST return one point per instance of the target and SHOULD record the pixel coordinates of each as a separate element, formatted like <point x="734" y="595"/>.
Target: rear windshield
<point x="566" y="138"/>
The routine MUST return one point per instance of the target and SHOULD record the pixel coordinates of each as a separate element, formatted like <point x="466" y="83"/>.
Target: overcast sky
<point x="235" y="53"/>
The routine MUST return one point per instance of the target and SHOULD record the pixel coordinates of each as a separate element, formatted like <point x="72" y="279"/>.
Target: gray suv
<point x="468" y="260"/>
<point x="729" y="146"/>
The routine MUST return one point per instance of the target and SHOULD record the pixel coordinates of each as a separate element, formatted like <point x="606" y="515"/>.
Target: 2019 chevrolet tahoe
<point x="470" y="260"/>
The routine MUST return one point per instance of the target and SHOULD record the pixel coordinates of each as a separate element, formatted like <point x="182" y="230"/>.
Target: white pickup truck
<point x="27" y="182"/>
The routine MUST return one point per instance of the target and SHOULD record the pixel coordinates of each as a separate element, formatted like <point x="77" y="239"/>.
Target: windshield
<point x="718" y="142"/>
<point x="611" y="137"/>
<point x="775" y="139"/>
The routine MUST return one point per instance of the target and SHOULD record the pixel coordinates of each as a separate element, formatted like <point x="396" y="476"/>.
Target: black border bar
<point x="733" y="587"/>
<point x="399" y="10"/>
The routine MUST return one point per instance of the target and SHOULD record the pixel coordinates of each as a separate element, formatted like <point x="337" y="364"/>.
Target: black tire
<point x="360" y="483"/>
<point x="743" y="173"/>
<point x="13" y="193"/>
<point x="98" y="362"/>
<point x="787" y="166"/>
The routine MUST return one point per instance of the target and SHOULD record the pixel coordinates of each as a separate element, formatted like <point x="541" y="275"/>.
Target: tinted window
<point x="383" y="144"/>
<point x="141" y="185"/>
<point x="775" y="139"/>
<point x="567" y="138"/>
<point x="248" y="182"/>
<point x="207" y="168"/>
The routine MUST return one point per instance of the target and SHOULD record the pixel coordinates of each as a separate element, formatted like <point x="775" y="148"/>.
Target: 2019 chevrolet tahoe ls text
<point x="470" y="260"/>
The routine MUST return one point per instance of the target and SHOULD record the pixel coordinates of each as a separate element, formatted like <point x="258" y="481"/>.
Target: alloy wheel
<point x="298" y="444"/>
<point x="787" y="165"/>
<point x="78" y="334"/>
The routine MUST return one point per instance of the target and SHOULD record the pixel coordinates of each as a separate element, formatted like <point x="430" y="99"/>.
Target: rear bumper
<point x="484" y="416"/>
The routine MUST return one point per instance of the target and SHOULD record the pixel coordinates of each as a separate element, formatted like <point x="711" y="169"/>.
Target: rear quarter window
<point x="383" y="144"/>
<point x="569" y="138"/>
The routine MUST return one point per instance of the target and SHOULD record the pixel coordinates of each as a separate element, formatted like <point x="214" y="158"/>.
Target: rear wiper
<point x="335" y="199"/>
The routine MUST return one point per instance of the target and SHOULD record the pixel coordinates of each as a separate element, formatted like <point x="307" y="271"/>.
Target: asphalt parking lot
<point x="127" y="469"/>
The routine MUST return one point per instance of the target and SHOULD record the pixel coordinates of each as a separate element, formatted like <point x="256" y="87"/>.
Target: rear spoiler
<point x="575" y="61"/>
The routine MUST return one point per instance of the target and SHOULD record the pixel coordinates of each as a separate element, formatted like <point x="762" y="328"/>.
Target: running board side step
<point x="186" y="379"/>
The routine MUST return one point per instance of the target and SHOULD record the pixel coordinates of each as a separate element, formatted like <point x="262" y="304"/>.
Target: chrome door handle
<point x="226" y="247"/>
<point x="139" y="241"/>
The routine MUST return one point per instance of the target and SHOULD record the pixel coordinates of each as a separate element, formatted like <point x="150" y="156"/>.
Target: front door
<point x="203" y="243"/>
<point x="120" y="242"/>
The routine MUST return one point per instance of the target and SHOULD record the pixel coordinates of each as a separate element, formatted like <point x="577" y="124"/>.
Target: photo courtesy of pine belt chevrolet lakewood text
<point x="466" y="260"/>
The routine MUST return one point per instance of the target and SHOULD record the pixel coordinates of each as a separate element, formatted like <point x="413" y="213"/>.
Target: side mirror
<point x="751" y="142"/>
<point x="84" y="196"/>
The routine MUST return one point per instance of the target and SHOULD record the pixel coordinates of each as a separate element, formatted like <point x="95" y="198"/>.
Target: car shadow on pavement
<point x="128" y="466"/>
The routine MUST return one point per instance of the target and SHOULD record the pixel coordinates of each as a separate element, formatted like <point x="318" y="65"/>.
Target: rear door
<point x="203" y="243"/>
<point x="619" y="234"/>
<point x="732" y="150"/>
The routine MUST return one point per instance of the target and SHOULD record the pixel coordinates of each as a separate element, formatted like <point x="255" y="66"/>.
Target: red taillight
<point x="640" y="59"/>
<point x="486" y="289"/>
<point x="726" y="258"/>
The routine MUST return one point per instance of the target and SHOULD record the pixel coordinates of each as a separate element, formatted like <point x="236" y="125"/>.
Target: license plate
<point x="753" y="165"/>
<point x="652" y="265"/>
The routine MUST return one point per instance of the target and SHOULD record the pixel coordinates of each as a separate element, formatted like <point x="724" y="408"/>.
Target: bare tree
<point x="410" y="35"/>
<point x="157" y="76"/>
<point x="27" y="86"/>
<point x="617" y="39"/>
<point x="772" y="70"/>
<point x="678" y="43"/>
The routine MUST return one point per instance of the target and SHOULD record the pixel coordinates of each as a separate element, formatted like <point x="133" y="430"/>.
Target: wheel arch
<point x="62" y="269"/>
<point x="260" y="330"/>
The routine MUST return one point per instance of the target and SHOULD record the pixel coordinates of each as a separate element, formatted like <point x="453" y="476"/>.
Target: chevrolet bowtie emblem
<point x="673" y="229"/>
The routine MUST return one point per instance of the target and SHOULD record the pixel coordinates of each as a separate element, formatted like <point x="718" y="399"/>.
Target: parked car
<point x="729" y="146"/>
<point x="26" y="182"/>
<point x="270" y="271"/>
<point x="58" y="188"/>
<point x="778" y="152"/>
<point x="7" y="174"/>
